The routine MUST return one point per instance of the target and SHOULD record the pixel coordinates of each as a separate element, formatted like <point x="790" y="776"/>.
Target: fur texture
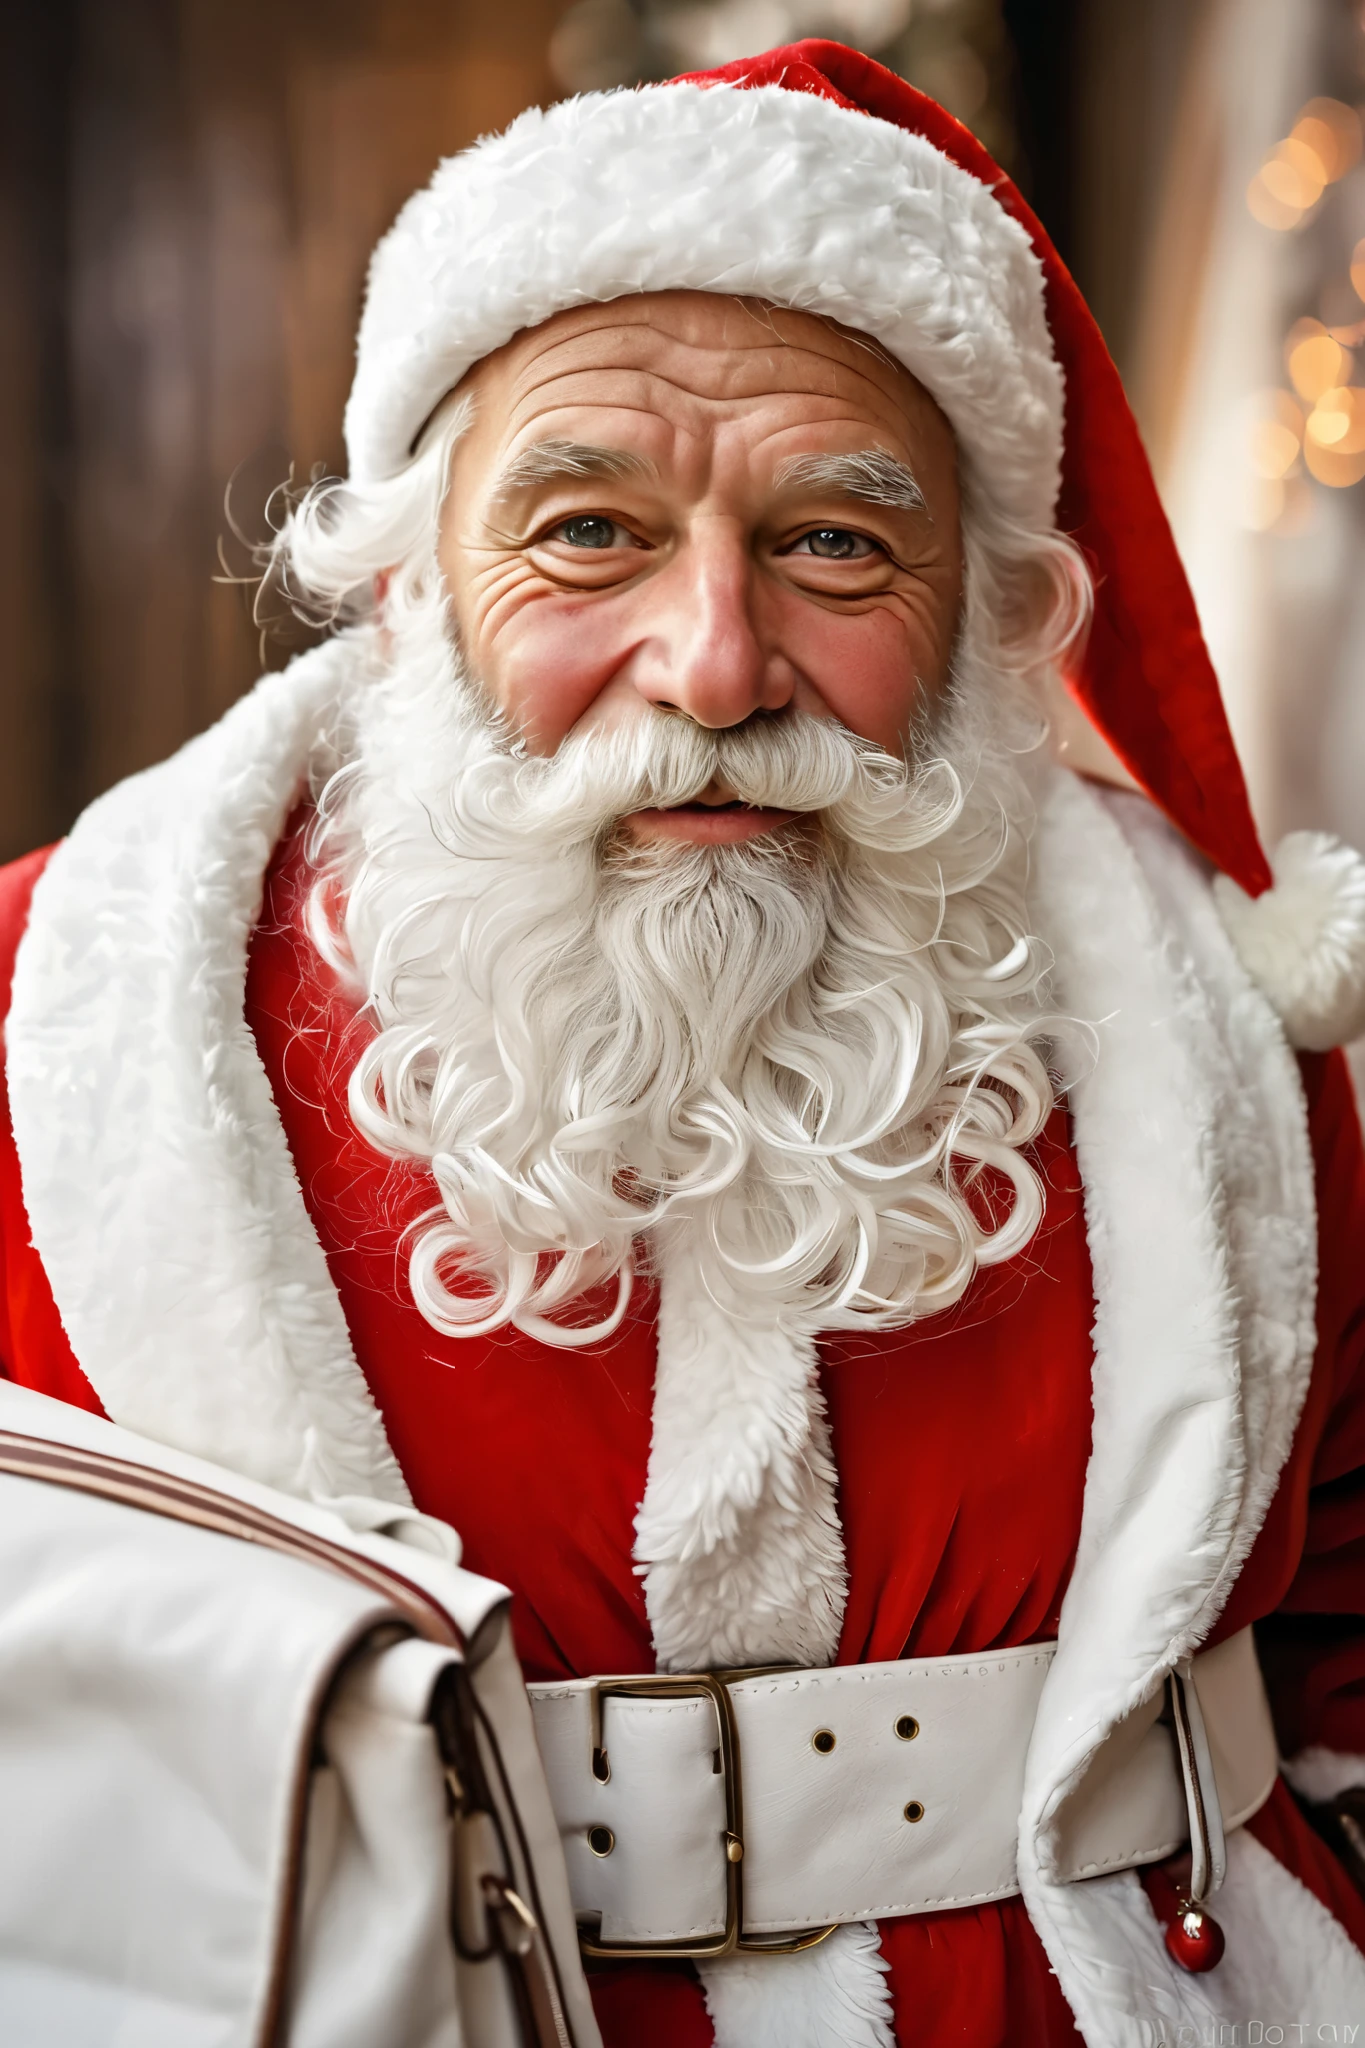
<point x="1303" y="941"/>
<point x="764" y="192"/>
<point x="157" y="1175"/>
<point x="833" y="1996"/>
<point x="738" y="1535"/>
<point x="1192" y="1141"/>
<point x="1321" y="1774"/>
<point x="164" y="1204"/>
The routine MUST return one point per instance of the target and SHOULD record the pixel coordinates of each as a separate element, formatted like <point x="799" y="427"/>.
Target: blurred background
<point x="189" y="190"/>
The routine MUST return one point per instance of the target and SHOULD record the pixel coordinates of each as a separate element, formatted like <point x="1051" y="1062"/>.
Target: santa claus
<point x="728" y="1033"/>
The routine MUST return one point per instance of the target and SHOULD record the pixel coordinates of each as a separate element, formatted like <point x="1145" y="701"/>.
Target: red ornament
<point x="1195" y="1940"/>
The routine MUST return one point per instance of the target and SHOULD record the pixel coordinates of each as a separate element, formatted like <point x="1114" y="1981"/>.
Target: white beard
<point x="788" y="1057"/>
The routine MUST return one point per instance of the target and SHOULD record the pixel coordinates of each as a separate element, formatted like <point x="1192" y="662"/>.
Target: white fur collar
<point x="1191" y="1136"/>
<point x="157" y="1176"/>
<point x="165" y="1207"/>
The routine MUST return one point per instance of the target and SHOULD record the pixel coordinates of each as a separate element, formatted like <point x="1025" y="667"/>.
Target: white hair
<point x="801" y="1052"/>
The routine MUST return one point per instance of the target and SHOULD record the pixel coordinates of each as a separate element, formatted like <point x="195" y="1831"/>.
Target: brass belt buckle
<point x="679" y="1685"/>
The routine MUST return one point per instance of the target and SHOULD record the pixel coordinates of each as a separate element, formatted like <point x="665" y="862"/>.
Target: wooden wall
<point x="189" y="190"/>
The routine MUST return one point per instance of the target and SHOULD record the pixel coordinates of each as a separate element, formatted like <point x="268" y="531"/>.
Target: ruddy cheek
<point x="864" y="668"/>
<point x="550" y="663"/>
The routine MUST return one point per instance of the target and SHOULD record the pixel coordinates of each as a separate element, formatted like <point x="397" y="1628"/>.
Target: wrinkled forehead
<point x="699" y="356"/>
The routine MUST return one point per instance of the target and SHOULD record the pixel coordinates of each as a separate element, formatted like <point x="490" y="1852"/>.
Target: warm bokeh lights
<point x="1324" y="143"/>
<point x="1319" y="432"/>
<point x="1276" y="435"/>
<point x="1315" y="362"/>
<point x="1330" y="438"/>
<point x="1334" y="437"/>
<point x="1332" y="131"/>
<point x="1278" y="495"/>
<point x="1358" y="269"/>
<point x="1289" y="182"/>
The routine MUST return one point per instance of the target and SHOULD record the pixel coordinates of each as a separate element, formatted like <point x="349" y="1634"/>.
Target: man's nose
<point x="706" y="653"/>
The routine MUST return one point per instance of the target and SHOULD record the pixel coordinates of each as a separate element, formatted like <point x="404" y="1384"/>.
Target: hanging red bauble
<point x="1195" y="1940"/>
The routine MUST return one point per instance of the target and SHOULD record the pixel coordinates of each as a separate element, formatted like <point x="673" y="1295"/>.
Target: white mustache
<point x="789" y="761"/>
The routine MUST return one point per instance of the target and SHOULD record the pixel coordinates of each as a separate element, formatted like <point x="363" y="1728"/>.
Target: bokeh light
<point x="1315" y="362"/>
<point x="1358" y="269"/>
<point x="1331" y="130"/>
<point x="1334" y="437"/>
<point x="1294" y="174"/>
<point x="1338" y="421"/>
<point x="1274" y="488"/>
<point x="1322" y="146"/>
<point x="1331" y="466"/>
<point x="1274" y="450"/>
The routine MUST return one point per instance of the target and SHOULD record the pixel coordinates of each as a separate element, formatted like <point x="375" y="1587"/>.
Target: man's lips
<point x="725" y="824"/>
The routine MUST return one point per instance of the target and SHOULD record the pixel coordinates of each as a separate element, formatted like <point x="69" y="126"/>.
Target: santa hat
<point x="812" y="178"/>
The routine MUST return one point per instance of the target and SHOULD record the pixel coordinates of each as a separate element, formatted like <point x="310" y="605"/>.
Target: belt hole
<point x="602" y="1841"/>
<point x="823" y="1740"/>
<point x="907" y="1727"/>
<point x="601" y="1766"/>
<point x="913" y="1810"/>
<point x="716" y="1766"/>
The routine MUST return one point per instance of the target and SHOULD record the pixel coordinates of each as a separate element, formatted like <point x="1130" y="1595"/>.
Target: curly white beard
<point x="794" y="1053"/>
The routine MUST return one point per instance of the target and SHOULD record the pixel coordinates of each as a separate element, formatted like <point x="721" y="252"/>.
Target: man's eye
<point x="588" y="530"/>
<point x="835" y="544"/>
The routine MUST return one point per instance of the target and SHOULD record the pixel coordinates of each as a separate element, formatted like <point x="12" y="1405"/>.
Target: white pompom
<point x="1303" y="941"/>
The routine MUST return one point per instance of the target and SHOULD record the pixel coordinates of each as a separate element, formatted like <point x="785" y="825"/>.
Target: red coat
<point x="961" y="1448"/>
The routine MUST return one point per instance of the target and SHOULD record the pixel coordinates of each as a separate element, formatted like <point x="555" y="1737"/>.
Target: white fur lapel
<point x="157" y="1177"/>
<point x="1192" y="1141"/>
<point x="738" y="1534"/>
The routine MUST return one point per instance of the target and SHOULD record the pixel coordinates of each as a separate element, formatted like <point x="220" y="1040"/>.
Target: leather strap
<point x="184" y="1500"/>
<point x="855" y="1792"/>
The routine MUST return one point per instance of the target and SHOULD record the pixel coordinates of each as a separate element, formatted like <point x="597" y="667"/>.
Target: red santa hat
<point x="811" y="177"/>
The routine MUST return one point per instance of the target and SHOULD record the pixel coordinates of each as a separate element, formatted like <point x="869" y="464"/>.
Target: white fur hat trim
<point x="762" y="192"/>
<point x="1303" y="941"/>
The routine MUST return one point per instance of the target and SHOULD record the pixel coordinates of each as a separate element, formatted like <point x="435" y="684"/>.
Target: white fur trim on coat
<point x="1321" y="1775"/>
<point x="1303" y="941"/>
<point x="832" y="1996"/>
<point x="157" y="1176"/>
<point x="165" y="1208"/>
<point x="738" y="1534"/>
<point x="764" y="192"/>
<point x="1191" y="1136"/>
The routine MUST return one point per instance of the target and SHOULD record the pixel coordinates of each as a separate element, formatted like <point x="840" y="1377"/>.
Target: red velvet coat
<point x="961" y="1449"/>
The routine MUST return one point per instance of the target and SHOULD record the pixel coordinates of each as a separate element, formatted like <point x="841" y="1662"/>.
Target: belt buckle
<point x="714" y="1686"/>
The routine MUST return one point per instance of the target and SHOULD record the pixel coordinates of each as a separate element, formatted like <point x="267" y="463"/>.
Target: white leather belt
<point x="703" y="1813"/>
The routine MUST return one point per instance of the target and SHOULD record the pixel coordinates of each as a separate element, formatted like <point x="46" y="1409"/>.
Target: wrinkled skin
<point x="690" y="572"/>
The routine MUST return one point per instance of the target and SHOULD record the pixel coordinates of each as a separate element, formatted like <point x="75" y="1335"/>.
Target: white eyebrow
<point x="874" y="475"/>
<point x="547" y="462"/>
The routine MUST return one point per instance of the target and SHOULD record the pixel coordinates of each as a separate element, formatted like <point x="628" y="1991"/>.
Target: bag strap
<point x="186" y="1500"/>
